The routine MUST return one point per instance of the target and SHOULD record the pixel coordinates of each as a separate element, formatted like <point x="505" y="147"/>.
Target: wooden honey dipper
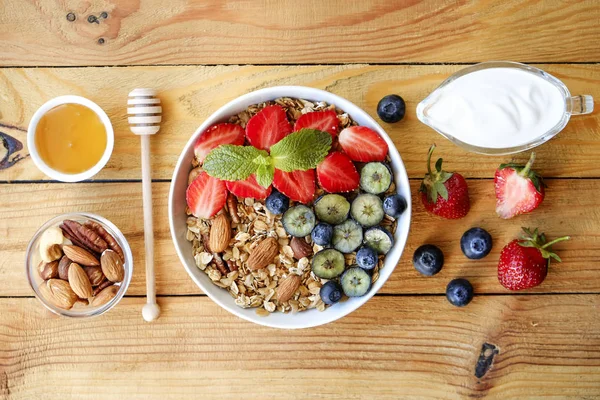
<point x="144" y="112"/>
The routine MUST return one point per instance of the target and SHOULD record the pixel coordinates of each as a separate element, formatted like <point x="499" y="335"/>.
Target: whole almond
<point x="59" y="293"/>
<point x="287" y="288"/>
<point x="80" y="256"/>
<point x="95" y="275"/>
<point x="301" y="248"/>
<point x="105" y="296"/>
<point x="112" y="267"/>
<point x="263" y="254"/>
<point x="51" y="253"/>
<point x="79" y="281"/>
<point x="220" y="234"/>
<point x="48" y="270"/>
<point x="63" y="268"/>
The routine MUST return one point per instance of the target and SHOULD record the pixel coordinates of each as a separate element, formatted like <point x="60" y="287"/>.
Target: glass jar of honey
<point x="70" y="138"/>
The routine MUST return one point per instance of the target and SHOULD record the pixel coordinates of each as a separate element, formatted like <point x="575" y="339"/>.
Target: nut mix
<point x="81" y="265"/>
<point x="247" y="249"/>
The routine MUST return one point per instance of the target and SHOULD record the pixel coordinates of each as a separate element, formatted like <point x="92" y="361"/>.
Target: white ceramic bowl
<point x="42" y="166"/>
<point x="177" y="215"/>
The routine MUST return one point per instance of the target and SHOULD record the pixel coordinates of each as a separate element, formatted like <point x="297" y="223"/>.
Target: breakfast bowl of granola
<point x="289" y="207"/>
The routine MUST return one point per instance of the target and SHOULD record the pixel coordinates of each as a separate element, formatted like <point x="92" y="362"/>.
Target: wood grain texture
<point x="253" y="32"/>
<point x="562" y="213"/>
<point x="390" y="348"/>
<point x="190" y="94"/>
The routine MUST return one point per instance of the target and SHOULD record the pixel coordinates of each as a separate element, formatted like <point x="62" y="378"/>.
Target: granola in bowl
<point x="255" y="201"/>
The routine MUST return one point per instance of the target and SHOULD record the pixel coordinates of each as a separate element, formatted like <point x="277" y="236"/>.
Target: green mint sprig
<point x="302" y="150"/>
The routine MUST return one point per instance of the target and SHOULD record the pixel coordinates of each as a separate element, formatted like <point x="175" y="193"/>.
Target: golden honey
<point x="70" y="138"/>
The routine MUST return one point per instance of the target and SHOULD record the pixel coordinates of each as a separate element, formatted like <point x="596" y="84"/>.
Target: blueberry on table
<point x="366" y="258"/>
<point x="331" y="292"/>
<point x="391" y="108"/>
<point x="476" y="243"/>
<point x="459" y="292"/>
<point x="428" y="259"/>
<point x="394" y="205"/>
<point x="322" y="234"/>
<point x="277" y="203"/>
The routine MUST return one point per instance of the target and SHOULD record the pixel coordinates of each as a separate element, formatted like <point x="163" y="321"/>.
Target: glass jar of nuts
<point x="79" y="265"/>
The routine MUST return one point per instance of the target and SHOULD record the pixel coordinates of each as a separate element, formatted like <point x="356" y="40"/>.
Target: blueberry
<point x="366" y="258"/>
<point x="277" y="203"/>
<point x="428" y="259"/>
<point x="391" y="108"/>
<point x="476" y="243"/>
<point x="331" y="292"/>
<point x="322" y="234"/>
<point x="394" y="205"/>
<point x="459" y="292"/>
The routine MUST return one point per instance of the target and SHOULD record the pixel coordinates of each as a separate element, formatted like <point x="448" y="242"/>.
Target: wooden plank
<point x="570" y="208"/>
<point x="414" y="347"/>
<point x="38" y="33"/>
<point x="191" y="94"/>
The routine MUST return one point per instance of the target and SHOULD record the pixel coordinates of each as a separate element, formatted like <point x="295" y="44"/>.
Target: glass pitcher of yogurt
<point x="501" y="107"/>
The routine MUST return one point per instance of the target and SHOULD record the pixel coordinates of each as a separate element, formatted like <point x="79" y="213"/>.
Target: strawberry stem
<point x="560" y="239"/>
<point x="429" y="159"/>
<point x="525" y="171"/>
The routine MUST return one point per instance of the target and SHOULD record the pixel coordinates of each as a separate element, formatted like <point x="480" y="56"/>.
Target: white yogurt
<point x="497" y="108"/>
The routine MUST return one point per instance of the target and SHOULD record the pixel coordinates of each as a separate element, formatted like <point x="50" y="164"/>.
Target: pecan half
<point x="85" y="236"/>
<point x="232" y="208"/>
<point x="205" y="242"/>
<point x="101" y="287"/>
<point x="108" y="238"/>
<point x="231" y="265"/>
<point x="220" y="264"/>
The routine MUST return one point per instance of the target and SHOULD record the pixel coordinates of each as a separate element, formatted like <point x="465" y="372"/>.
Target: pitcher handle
<point x="579" y="105"/>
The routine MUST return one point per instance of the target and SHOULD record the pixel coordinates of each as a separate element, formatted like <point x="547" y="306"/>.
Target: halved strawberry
<point x="337" y="173"/>
<point x="363" y="144"/>
<point x="248" y="188"/>
<point x="268" y="127"/>
<point x="325" y="121"/>
<point x="297" y="185"/>
<point x="217" y="135"/>
<point x="519" y="189"/>
<point x="206" y="195"/>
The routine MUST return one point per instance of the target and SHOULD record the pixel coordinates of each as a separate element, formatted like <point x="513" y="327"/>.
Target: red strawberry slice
<point x="297" y="185"/>
<point x="337" y="173"/>
<point x="363" y="144"/>
<point x="519" y="189"/>
<point x="268" y="127"/>
<point x="248" y="188"/>
<point x="206" y="196"/>
<point x="325" y="121"/>
<point x="217" y="135"/>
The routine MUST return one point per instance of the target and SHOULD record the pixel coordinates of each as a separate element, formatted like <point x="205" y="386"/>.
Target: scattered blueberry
<point x="331" y="292"/>
<point x="391" y="108"/>
<point x="476" y="243"/>
<point x="322" y="234"/>
<point x="366" y="258"/>
<point x="394" y="205"/>
<point x="459" y="292"/>
<point x="277" y="203"/>
<point x="428" y="259"/>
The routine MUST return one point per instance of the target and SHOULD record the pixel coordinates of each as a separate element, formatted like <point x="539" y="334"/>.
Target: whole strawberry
<point x="524" y="263"/>
<point x="444" y="193"/>
<point x="519" y="189"/>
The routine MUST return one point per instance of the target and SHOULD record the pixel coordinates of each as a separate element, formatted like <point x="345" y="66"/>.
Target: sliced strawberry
<point x="325" y="121"/>
<point x="206" y="196"/>
<point x="297" y="185"/>
<point x="217" y="135"/>
<point x="337" y="173"/>
<point x="248" y="188"/>
<point x="268" y="127"/>
<point x="519" y="189"/>
<point x="363" y="144"/>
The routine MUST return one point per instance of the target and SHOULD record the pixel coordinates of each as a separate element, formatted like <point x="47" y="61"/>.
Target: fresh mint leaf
<point x="264" y="175"/>
<point x="301" y="150"/>
<point x="233" y="163"/>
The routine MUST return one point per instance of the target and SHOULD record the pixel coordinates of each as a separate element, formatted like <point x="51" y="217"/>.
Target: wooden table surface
<point x="406" y="342"/>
